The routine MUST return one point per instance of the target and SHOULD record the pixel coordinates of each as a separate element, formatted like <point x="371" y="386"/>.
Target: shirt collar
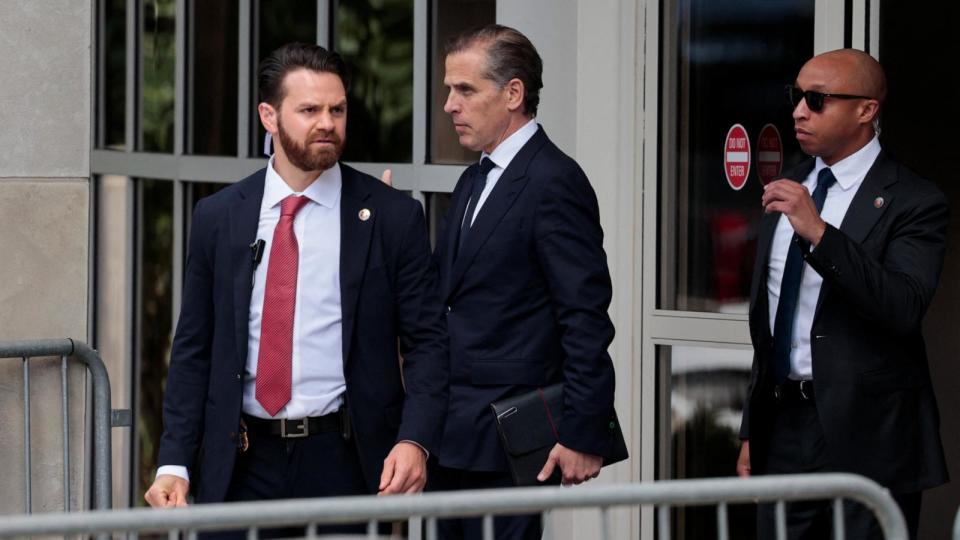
<point x="325" y="190"/>
<point x="504" y="153"/>
<point x="851" y="170"/>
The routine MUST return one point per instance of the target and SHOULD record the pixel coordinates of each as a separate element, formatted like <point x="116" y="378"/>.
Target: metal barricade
<point x="68" y="349"/>
<point x="255" y="516"/>
<point x="956" y="527"/>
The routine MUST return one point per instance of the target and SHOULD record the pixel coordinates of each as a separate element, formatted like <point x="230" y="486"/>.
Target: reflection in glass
<point x="213" y="88"/>
<point x="113" y="84"/>
<point x="278" y="22"/>
<point x="154" y="313"/>
<point x="450" y="17"/>
<point x="437" y="206"/>
<point x="725" y="62"/>
<point x="700" y="397"/>
<point x="158" y="68"/>
<point x="375" y="37"/>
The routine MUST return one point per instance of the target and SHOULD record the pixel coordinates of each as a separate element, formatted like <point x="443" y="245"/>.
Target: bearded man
<point x="304" y="284"/>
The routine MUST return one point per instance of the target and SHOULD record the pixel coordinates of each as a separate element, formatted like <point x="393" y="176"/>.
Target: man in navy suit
<point x="304" y="284"/>
<point x="523" y="276"/>
<point x="848" y="259"/>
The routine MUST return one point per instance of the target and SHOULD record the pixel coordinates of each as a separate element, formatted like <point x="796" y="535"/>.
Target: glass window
<point x="725" y="62"/>
<point x="157" y="70"/>
<point x="700" y="397"/>
<point x="154" y="309"/>
<point x="277" y="22"/>
<point x="375" y="37"/>
<point x="113" y="76"/>
<point x="450" y="17"/>
<point x="212" y="114"/>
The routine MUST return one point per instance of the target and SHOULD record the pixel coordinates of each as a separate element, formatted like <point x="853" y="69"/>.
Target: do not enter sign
<point x="736" y="157"/>
<point x="769" y="154"/>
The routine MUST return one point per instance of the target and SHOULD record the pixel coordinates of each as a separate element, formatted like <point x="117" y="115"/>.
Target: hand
<point x="404" y="470"/>
<point x="387" y="177"/>
<point x="794" y="201"/>
<point x="167" y="491"/>
<point x="575" y="467"/>
<point x="743" y="462"/>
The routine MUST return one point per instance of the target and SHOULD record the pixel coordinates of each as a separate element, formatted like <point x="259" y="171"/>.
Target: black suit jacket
<point x="873" y="391"/>
<point x="527" y="300"/>
<point x="387" y="287"/>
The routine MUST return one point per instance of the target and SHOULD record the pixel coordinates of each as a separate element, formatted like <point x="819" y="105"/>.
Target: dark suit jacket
<point x="527" y="300"/>
<point x="387" y="288"/>
<point x="873" y="391"/>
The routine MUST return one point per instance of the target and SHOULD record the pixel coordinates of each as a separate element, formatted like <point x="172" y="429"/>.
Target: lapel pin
<point x="364" y="214"/>
<point x="878" y="202"/>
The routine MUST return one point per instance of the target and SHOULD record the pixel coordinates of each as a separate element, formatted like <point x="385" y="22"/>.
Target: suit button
<point x="449" y="309"/>
<point x="238" y="376"/>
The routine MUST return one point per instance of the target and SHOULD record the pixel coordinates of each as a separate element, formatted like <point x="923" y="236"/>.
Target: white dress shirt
<point x="501" y="157"/>
<point x="318" y="382"/>
<point x="849" y="173"/>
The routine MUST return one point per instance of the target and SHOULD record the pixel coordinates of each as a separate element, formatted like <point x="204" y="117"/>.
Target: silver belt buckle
<point x="301" y="426"/>
<point x="805" y="386"/>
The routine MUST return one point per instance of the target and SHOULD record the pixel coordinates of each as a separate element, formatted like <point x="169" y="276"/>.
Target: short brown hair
<point x="291" y="57"/>
<point x="510" y="55"/>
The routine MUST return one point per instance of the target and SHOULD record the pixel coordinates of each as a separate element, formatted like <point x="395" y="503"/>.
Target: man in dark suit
<point x="285" y="379"/>
<point x="523" y="276"/>
<point x="843" y="278"/>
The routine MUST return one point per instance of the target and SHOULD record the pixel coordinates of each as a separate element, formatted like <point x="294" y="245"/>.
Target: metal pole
<point x="65" y="401"/>
<point x="26" y="433"/>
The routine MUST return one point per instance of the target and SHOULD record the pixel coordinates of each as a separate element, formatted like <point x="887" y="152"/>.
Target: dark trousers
<point x="321" y="465"/>
<point x="797" y="445"/>
<point x="522" y="527"/>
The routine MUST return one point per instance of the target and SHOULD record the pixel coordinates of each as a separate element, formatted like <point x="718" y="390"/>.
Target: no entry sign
<point x="769" y="153"/>
<point x="736" y="157"/>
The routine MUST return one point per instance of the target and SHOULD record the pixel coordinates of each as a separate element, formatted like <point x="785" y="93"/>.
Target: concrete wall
<point x="44" y="230"/>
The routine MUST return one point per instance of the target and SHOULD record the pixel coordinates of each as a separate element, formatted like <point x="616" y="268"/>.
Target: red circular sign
<point x="769" y="153"/>
<point x="736" y="157"/>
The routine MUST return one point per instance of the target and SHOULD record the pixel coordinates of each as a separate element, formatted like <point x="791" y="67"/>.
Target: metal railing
<point x="68" y="349"/>
<point x="956" y="527"/>
<point x="255" y="516"/>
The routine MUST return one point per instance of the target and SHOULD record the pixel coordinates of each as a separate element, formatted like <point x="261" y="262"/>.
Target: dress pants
<point x="319" y="465"/>
<point x="797" y="445"/>
<point x="522" y="527"/>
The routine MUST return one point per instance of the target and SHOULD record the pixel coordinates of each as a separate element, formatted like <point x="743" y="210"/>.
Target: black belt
<point x="794" y="392"/>
<point x="293" y="428"/>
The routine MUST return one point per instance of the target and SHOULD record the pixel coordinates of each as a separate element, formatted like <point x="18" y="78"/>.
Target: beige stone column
<point x="44" y="236"/>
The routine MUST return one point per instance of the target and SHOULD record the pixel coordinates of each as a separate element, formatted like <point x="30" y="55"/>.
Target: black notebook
<point x="528" y="430"/>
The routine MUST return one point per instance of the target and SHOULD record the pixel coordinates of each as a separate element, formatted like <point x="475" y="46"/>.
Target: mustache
<point x="327" y="135"/>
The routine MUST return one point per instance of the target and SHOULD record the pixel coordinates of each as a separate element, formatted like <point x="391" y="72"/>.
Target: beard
<point x="317" y="159"/>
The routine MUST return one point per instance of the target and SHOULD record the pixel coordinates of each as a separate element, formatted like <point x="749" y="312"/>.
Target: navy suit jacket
<point x="527" y="300"/>
<point x="387" y="287"/>
<point x="870" y="374"/>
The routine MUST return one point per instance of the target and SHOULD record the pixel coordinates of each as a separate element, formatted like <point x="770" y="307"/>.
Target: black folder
<point x="527" y="424"/>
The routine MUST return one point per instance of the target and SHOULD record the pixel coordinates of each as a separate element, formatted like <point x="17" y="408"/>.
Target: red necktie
<point x="275" y="361"/>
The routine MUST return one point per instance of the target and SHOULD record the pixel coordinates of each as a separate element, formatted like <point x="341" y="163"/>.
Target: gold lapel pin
<point x="878" y="202"/>
<point x="364" y="214"/>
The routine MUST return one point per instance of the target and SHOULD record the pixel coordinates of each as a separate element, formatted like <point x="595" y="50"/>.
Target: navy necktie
<point x="479" y="182"/>
<point x="790" y="288"/>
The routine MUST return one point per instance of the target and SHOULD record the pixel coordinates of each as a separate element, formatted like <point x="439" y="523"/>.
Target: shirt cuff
<point x="418" y="445"/>
<point x="175" y="470"/>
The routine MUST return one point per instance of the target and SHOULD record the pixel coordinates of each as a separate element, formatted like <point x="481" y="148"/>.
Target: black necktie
<point x="479" y="182"/>
<point x="790" y="288"/>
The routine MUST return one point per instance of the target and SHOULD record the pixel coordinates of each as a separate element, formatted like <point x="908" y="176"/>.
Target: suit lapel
<point x="863" y="212"/>
<point x="460" y="199"/>
<point x="501" y="198"/>
<point x="244" y="219"/>
<point x="355" y="236"/>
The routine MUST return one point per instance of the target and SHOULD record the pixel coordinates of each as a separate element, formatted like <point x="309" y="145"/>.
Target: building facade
<point x="157" y="99"/>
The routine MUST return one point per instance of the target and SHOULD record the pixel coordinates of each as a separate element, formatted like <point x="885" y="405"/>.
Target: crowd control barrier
<point x="68" y="350"/>
<point x="309" y="513"/>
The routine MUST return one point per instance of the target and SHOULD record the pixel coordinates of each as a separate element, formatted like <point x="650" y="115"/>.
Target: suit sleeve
<point x="569" y="243"/>
<point x="187" y="378"/>
<point x="422" y="333"/>
<point x="894" y="291"/>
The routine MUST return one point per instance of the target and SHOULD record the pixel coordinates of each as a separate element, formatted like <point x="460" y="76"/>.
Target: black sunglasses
<point x="814" y="99"/>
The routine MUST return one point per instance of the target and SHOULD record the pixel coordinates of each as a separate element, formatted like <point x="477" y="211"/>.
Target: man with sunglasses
<point x="849" y="253"/>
